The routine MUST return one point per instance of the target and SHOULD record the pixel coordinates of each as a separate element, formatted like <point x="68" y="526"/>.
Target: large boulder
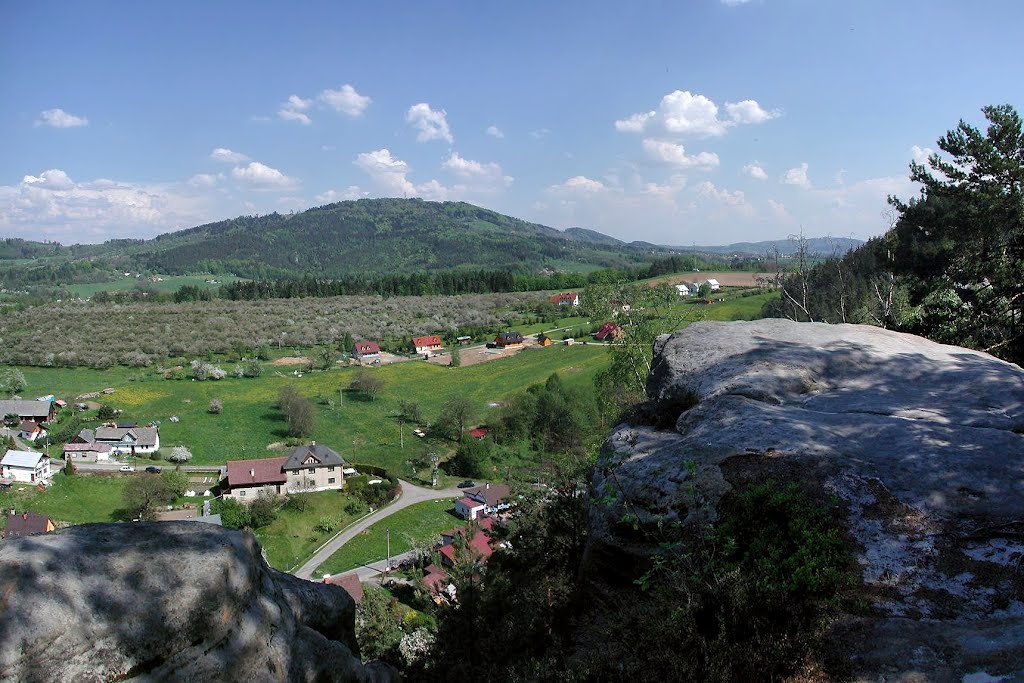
<point x="922" y="443"/>
<point x="179" y="601"/>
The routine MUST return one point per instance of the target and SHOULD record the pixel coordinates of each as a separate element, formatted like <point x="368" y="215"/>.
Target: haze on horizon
<point x="707" y="122"/>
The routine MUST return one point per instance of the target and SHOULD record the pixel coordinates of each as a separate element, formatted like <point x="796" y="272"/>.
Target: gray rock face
<point x="175" y="601"/>
<point x="923" y="443"/>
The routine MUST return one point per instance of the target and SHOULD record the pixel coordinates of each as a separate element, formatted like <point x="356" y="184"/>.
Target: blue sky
<point x="697" y="122"/>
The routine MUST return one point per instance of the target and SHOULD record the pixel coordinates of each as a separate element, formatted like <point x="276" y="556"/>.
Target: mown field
<point x="168" y="283"/>
<point x="75" y="500"/>
<point x="418" y="522"/>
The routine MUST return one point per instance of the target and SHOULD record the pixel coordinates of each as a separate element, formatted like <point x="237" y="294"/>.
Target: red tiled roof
<point x="478" y="432"/>
<point x="470" y="503"/>
<point x="350" y="582"/>
<point x="432" y="340"/>
<point x="480" y="542"/>
<point x="607" y="330"/>
<point x="256" y="472"/>
<point x="25" y="524"/>
<point x="491" y="494"/>
<point x="366" y="347"/>
<point x="568" y="297"/>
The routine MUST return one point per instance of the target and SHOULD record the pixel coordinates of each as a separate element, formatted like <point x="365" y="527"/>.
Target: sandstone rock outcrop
<point x="178" y="601"/>
<point x="922" y="443"/>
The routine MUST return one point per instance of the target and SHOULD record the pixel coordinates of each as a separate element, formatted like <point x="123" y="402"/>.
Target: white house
<point x="470" y="509"/>
<point x="683" y="290"/>
<point x="713" y="284"/>
<point x="27" y="466"/>
<point x="130" y="440"/>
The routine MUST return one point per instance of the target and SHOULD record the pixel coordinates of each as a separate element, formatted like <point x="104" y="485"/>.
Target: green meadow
<point x="292" y="536"/>
<point x="169" y="283"/>
<point x="417" y="522"/>
<point x="361" y="430"/>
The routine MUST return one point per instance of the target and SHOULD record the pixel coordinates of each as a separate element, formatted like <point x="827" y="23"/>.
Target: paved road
<point x="411" y="494"/>
<point x="140" y="466"/>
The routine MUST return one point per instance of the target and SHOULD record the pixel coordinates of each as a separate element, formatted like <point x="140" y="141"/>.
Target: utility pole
<point x="389" y="551"/>
<point x="401" y="434"/>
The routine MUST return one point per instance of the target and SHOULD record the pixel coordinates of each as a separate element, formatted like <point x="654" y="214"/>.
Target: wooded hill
<point x="368" y="236"/>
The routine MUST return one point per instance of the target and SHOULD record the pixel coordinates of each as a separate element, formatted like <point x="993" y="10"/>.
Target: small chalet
<point x="505" y="339"/>
<point x="26" y="524"/>
<point x="350" y="582"/>
<point x="87" y="452"/>
<point x="130" y="440"/>
<point x="246" y="478"/>
<point x="36" y="411"/>
<point x="366" y="350"/>
<point x="478" y="432"/>
<point x="426" y="345"/>
<point x="27" y="466"/>
<point x="544" y="340"/>
<point x="464" y="341"/>
<point x="314" y="468"/>
<point x="31" y="431"/>
<point x="482" y="501"/>
<point x="609" y="332"/>
<point x="687" y="289"/>
<point x="713" y="284"/>
<point x="566" y="299"/>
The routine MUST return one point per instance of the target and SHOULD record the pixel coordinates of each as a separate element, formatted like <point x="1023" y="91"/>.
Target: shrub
<point x="215" y="406"/>
<point x="106" y="412"/>
<point x="180" y="454"/>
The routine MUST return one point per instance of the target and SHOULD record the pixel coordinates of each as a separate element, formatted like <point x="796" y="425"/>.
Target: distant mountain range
<point x="369" y="236"/>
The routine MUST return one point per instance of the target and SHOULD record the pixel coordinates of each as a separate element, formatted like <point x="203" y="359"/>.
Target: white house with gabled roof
<point x="27" y="466"/>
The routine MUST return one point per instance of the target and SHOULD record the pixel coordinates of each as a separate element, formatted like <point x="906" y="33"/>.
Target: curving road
<point x="411" y="494"/>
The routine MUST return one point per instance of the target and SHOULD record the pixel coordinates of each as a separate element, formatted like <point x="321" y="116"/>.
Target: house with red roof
<point x="26" y="524"/>
<point x="566" y="299"/>
<point x="426" y="345"/>
<point x="609" y="332"/>
<point x="478" y="544"/>
<point x="366" y="350"/>
<point x="482" y="501"/>
<point x="246" y="478"/>
<point x="350" y="582"/>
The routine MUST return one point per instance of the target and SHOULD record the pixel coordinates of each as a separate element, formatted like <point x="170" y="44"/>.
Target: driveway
<point x="411" y="494"/>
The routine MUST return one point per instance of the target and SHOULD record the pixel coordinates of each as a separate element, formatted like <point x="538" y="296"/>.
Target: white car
<point x="127" y="468"/>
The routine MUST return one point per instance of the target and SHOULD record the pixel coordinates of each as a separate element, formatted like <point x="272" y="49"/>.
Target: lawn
<point x="420" y="521"/>
<point x="292" y="538"/>
<point x="75" y="499"/>
<point x="363" y="431"/>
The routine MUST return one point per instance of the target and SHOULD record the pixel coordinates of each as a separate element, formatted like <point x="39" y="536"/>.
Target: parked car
<point x="154" y="469"/>
<point x="468" y="484"/>
<point x="127" y="468"/>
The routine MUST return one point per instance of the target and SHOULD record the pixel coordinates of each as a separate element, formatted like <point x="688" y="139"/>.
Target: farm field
<point x="727" y="278"/>
<point x="75" y="500"/>
<point x="168" y="283"/>
<point x="418" y="522"/>
<point x="292" y="536"/>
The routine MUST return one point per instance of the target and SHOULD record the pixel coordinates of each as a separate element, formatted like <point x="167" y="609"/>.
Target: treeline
<point x="952" y="266"/>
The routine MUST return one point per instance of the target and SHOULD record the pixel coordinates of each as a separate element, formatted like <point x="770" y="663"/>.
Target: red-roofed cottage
<point x="609" y="332"/>
<point x="246" y="478"/>
<point x="350" y="582"/>
<point x="366" y="350"/>
<point x="566" y="299"/>
<point x="425" y="345"/>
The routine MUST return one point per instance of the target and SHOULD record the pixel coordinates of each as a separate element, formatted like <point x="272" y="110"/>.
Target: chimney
<point x="487" y="485"/>
<point x="252" y="473"/>
<point x="24" y="515"/>
<point x="313" y="445"/>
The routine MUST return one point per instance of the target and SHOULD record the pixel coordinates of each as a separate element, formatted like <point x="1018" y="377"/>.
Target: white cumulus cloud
<point x="345" y="100"/>
<point x="495" y="132"/>
<point x="488" y="173"/>
<point x="58" y="118"/>
<point x="204" y="180"/>
<point x="797" y="176"/>
<point x="674" y="154"/>
<point x="577" y="185"/>
<point x="708" y="190"/>
<point x="350" y="192"/>
<point x="391" y="175"/>
<point x="682" y="113"/>
<point x="295" y="110"/>
<point x="432" y="124"/>
<point x="921" y="154"/>
<point x="228" y="156"/>
<point x="53" y="179"/>
<point x="754" y="170"/>
<point x="260" y="176"/>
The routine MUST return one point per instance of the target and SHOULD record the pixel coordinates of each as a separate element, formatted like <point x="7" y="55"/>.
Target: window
<point x="312" y="470"/>
<point x="330" y="469"/>
<point x="241" y="494"/>
<point x="330" y="480"/>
